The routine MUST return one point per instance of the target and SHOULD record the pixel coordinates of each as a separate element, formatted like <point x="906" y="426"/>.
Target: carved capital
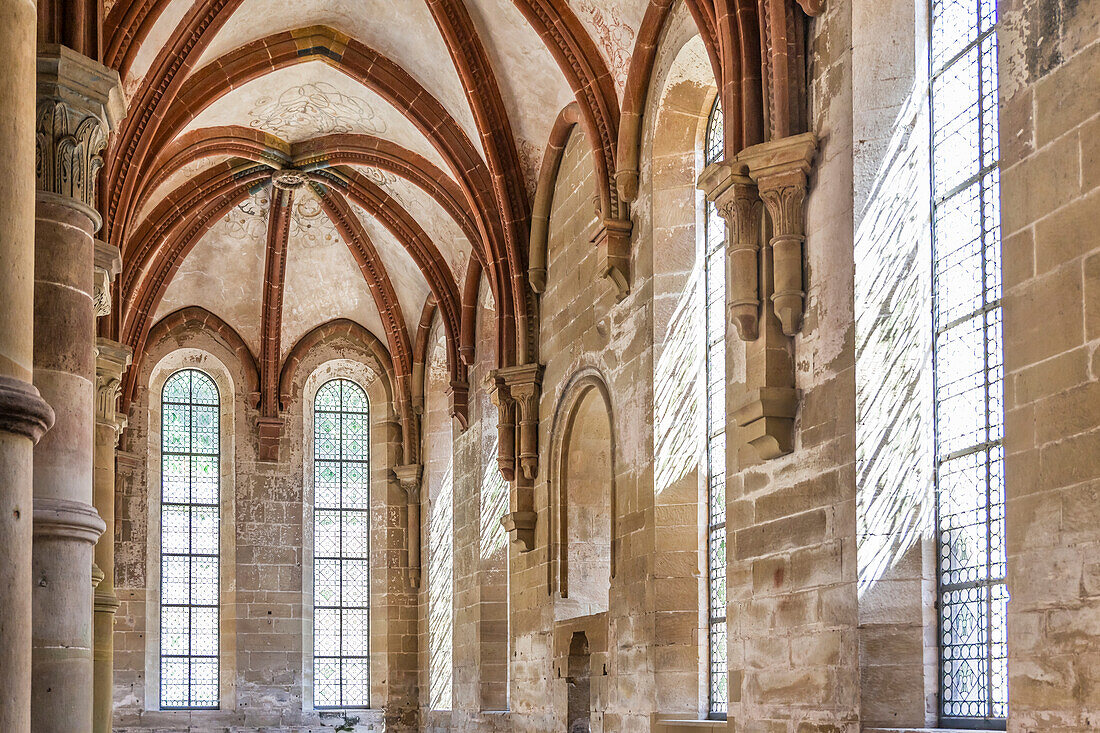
<point x="613" y="246"/>
<point x="408" y="478"/>
<point x="524" y="385"/>
<point x="22" y="409"/>
<point x="79" y="102"/>
<point x="108" y="263"/>
<point x="506" y="426"/>
<point x="780" y="169"/>
<point x="111" y="361"/>
<point x="737" y="201"/>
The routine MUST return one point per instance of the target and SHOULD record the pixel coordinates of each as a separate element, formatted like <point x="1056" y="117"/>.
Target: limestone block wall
<point x="1050" y="186"/>
<point x="266" y="581"/>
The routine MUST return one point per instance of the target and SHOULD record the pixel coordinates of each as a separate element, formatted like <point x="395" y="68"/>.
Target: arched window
<point x="715" y="315"/>
<point x="189" y="541"/>
<point x="341" y="546"/>
<point x="968" y="364"/>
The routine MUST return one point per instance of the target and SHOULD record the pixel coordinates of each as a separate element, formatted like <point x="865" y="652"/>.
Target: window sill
<point x="921" y="730"/>
<point x="691" y="726"/>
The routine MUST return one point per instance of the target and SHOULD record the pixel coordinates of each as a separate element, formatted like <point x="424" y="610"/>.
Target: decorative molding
<point x="79" y="102"/>
<point x="108" y="264"/>
<point x="67" y="520"/>
<point x="22" y="409"/>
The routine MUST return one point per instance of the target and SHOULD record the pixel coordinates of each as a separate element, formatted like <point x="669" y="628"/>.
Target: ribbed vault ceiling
<point x="285" y="163"/>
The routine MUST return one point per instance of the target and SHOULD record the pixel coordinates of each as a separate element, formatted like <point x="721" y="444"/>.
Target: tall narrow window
<point x="715" y="294"/>
<point x="341" y="546"/>
<point x="189" y="537"/>
<point x="968" y="364"/>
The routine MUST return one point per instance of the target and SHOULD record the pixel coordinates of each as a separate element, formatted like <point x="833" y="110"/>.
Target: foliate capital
<point x="108" y="263"/>
<point x="112" y="359"/>
<point x="80" y="102"/>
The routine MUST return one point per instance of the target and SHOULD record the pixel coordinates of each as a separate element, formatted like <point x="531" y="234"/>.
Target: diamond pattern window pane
<point x="715" y="332"/>
<point x="968" y="363"/>
<point x="341" y="546"/>
<point x="189" y="541"/>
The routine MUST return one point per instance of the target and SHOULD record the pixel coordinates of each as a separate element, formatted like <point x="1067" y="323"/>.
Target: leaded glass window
<point x="715" y="317"/>
<point x="341" y="546"/>
<point x="189" y="537"/>
<point x="968" y="363"/>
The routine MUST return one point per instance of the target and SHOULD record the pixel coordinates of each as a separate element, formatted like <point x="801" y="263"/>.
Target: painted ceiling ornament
<point x="248" y="220"/>
<point x="616" y="37"/>
<point x="309" y="225"/>
<point x="380" y="177"/>
<point x="313" y="109"/>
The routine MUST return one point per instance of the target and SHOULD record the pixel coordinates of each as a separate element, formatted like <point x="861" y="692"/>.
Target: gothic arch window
<point x="968" y="364"/>
<point x="189" y="541"/>
<point x="341" y="546"/>
<point x="715" y="328"/>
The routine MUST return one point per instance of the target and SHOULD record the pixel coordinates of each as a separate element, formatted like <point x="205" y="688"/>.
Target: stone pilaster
<point x="111" y="361"/>
<point x="408" y="477"/>
<point x="24" y="415"/>
<point x="79" y="102"/>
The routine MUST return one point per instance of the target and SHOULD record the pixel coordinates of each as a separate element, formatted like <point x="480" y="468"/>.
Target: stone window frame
<point x="370" y="382"/>
<point x="215" y="368"/>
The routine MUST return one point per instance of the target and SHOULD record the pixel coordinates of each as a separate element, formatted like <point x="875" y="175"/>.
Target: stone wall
<point x="830" y="574"/>
<point x="1050" y="188"/>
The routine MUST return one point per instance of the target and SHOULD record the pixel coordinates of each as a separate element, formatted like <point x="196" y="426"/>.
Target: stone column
<point x="24" y="416"/>
<point x="111" y="361"/>
<point x="79" y="100"/>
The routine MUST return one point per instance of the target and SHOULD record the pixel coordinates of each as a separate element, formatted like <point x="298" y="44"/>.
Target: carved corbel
<point x="458" y="393"/>
<point x="108" y="264"/>
<point x="735" y="197"/>
<point x="613" y="247"/>
<point x="408" y="477"/>
<point x="525" y="387"/>
<point x="112" y="359"/>
<point x="270" y="430"/>
<point x="517" y="393"/>
<point x="780" y="169"/>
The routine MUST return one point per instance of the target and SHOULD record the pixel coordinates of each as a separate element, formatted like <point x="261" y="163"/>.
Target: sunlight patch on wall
<point x="677" y="398"/>
<point x="893" y="352"/>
